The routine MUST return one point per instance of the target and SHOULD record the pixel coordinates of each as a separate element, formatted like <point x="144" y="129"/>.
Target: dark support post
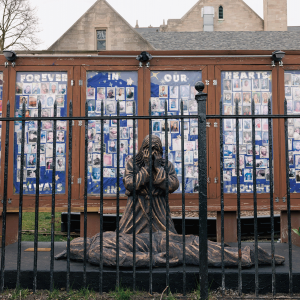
<point x="202" y="173"/>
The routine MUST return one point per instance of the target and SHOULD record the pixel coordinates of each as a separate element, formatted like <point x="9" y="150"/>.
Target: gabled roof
<point x="90" y="9"/>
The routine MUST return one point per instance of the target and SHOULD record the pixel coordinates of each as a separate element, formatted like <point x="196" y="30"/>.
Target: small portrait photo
<point x="42" y="99"/>
<point x="43" y="136"/>
<point x="162" y="103"/>
<point x="60" y="164"/>
<point x="155" y="105"/>
<point x="163" y="126"/>
<point x="229" y="137"/>
<point x="32" y="101"/>
<point x="296" y="106"/>
<point x="49" y="163"/>
<point x="189" y="157"/>
<point x="90" y="147"/>
<point x="110" y="107"/>
<point x="42" y="160"/>
<point x="96" y="159"/>
<point x="174" y="126"/>
<point x="256" y="98"/>
<point x="90" y="93"/>
<point x="247" y="137"/>
<point x="32" y="136"/>
<point x="227" y="110"/>
<point x="60" y="136"/>
<point x="62" y="89"/>
<point x="178" y="156"/>
<point x="90" y="159"/>
<point x="46" y="113"/>
<point x="296" y="93"/>
<point x="257" y="109"/>
<point x="297" y="176"/>
<point x="237" y="98"/>
<point x="60" y="100"/>
<point x="193" y="107"/>
<point x="112" y="133"/>
<point x="32" y="125"/>
<point x="33" y="113"/>
<point x="255" y="85"/>
<point x="264" y="110"/>
<point x="265" y="137"/>
<point x="124" y="133"/>
<point x="36" y="88"/>
<point x="122" y="106"/>
<point x="249" y="161"/>
<point x="178" y="169"/>
<point x="227" y="97"/>
<point x="257" y="124"/>
<point x="261" y="163"/>
<point x="156" y="126"/>
<point x="100" y="93"/>
<point x="194" y="131"/>
<point x="289" y="106"/>
<point x="31" y="173"/>
<point x="228" y="125"/>
<point x="189" y="172"/>
<point x="229" y="163"/>
<point x="27" y="88"/>
<point x="227" y="175"/>
<point x="173" y="91"/>
<point x="241" y="161"/>
<point x="163" y="91"/>
<point x="97" y="147"/>
<point x="287" y="79"/>
<point x="31" y="160"/>
<point x="261" y="174"/>
<point x="96" y="174"/>
<point x="131" y="146"/>
<point x="227" y="85"/>
<point x="24" y="175"/>
<point x="49" y="136"/>
<point x="173" y="104"/>
<point x="246" y="110"/>
<point x="248" y="175"/>
<point x="291" y="131"/>
<point x="44" y="88"/>
<point x="236" y="85"/>
<point x="53" y="88"/>
<point x="176" y="144"/>
<point x="265" y="125"/>
<point x="110" y="93"/>
<point x="61" y="125"/>
<point x="264" y="152"/>
<point x="123" y="146"/>
<point x="288" y="91"/>
<point x="296" y="133"/>
<point x="290" y="144"/>
<point x="129" y="107"/>
<point x="47" y="125"/>
<point x="107" y="160"/>
<point x="264" y="84"/>
<point x="60" y="149"/>
<point x="42" y="148"/>
<point x="49" y="150"/>
<point x="91" y="105"/>
<point x="246" y="84"/>
<point x="227" y="152"/>
<point x="297" y="161"/>
<point x="184" y="91"/>
<point x="246" y="98"/>
<point x="189" y="145"/>
<point x="19" y="88"/>
<point x="120" y="93"/>
<point x="112" y="148"/>
<point x="23" y="99"/>
<point x="247" y="125"/>
<point x="130" y="93"/>
<point x="292" y="174"/>
<point x="50" y="101"/>
<point x="98" y="106"/>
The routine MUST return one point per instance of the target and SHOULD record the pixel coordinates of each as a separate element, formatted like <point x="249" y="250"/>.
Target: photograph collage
<point x="110" y="88"/>
<point x="292" y="95"/>
<point x="242" y="88"/>
<point x="46" y="88"/>
<point x="170" y="88"/>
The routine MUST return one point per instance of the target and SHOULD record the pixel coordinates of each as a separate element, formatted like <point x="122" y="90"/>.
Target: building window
<point x="220" y="12"/>
<point x="101" y="39"/>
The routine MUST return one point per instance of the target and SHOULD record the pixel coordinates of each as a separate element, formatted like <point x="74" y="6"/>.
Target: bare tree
<point x="18" y="25"/>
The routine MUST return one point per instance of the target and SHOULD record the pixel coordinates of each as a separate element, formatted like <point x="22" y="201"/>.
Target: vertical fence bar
<point x="101" y="204"/>
<point x="69" y="194"/>
<point x="134" y="197"/>
<point x="167" y="195"/>
<point x="237" y="130"/>
<point x="37" y="195"/>
<point x="202" y="177"/>
<point x="86" y="123"/>
<point x="288" y="199"/>
<point x="150" y="198"/>
<point x="53" y="200"/>
<point x="118" y="199"/>
<point x="21" y="197"/>
<point x="254" y="199"/>
<point x="183" y="202"/>
<point x="5" y="197"/>
<point x="222" y="196"/>
<point x="270" y="132"/>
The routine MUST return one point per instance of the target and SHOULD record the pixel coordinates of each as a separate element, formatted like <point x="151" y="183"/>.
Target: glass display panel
<point x="245" y="86"/>
<point x="110" y="88"/>
<point x="175" y="86"/>
<point x="46" y="87"/>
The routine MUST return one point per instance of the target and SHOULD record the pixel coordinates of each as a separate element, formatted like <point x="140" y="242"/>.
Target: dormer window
<point x="221" y="17"/>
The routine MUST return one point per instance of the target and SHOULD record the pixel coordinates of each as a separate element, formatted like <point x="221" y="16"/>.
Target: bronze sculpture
<point x="158" y="224"/>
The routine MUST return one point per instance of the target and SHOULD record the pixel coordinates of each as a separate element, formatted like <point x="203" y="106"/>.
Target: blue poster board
<point x="31" y="88"/>
<point x="245" y="86"/>
<point x="174" y="86"/>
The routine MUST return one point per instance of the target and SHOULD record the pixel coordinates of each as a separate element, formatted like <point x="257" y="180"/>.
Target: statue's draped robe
<point x="142" y="211"/>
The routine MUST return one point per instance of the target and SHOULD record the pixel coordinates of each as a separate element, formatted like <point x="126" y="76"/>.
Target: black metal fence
<point x="202" y="179"/>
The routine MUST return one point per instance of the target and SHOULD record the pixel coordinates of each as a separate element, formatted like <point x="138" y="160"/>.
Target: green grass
<point x="28" y="223"/>
<point x="121" y="293"/>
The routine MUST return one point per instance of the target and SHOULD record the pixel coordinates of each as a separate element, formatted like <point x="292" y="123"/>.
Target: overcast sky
<point x="56" y="16"/>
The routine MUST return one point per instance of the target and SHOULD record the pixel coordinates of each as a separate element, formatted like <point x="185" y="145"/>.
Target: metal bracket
<point x="216" y="180"/>
<point x="79" y="180"/>
<point x="148" y="64"/>
<point x="140" y="64"/>
<point x="206" y="82"/>
<point x="281" y="63"/>
<point x="80" y="82"/>
<point x="215" y="82"/>
<point x="208" y="180"/>
<point x="6" y="64"/>
<point x="79" y="123"/>
<point x="9" y="201"/>
<point x="73" y="122"/>
<point x="273" y="63"/>
<point x="207" y="124"/>
<point x="13" y="64"/>
<point x="216" y="124"/>
<point x="283" y="199"/>
<point x="72" y="180"/>
<point x="277" y="199"/>
<point x="72" y="82"/>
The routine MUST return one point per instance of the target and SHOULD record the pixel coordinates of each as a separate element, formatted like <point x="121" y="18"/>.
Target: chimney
<point x="275" y="15"/>
<point x="137" y="24"/>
